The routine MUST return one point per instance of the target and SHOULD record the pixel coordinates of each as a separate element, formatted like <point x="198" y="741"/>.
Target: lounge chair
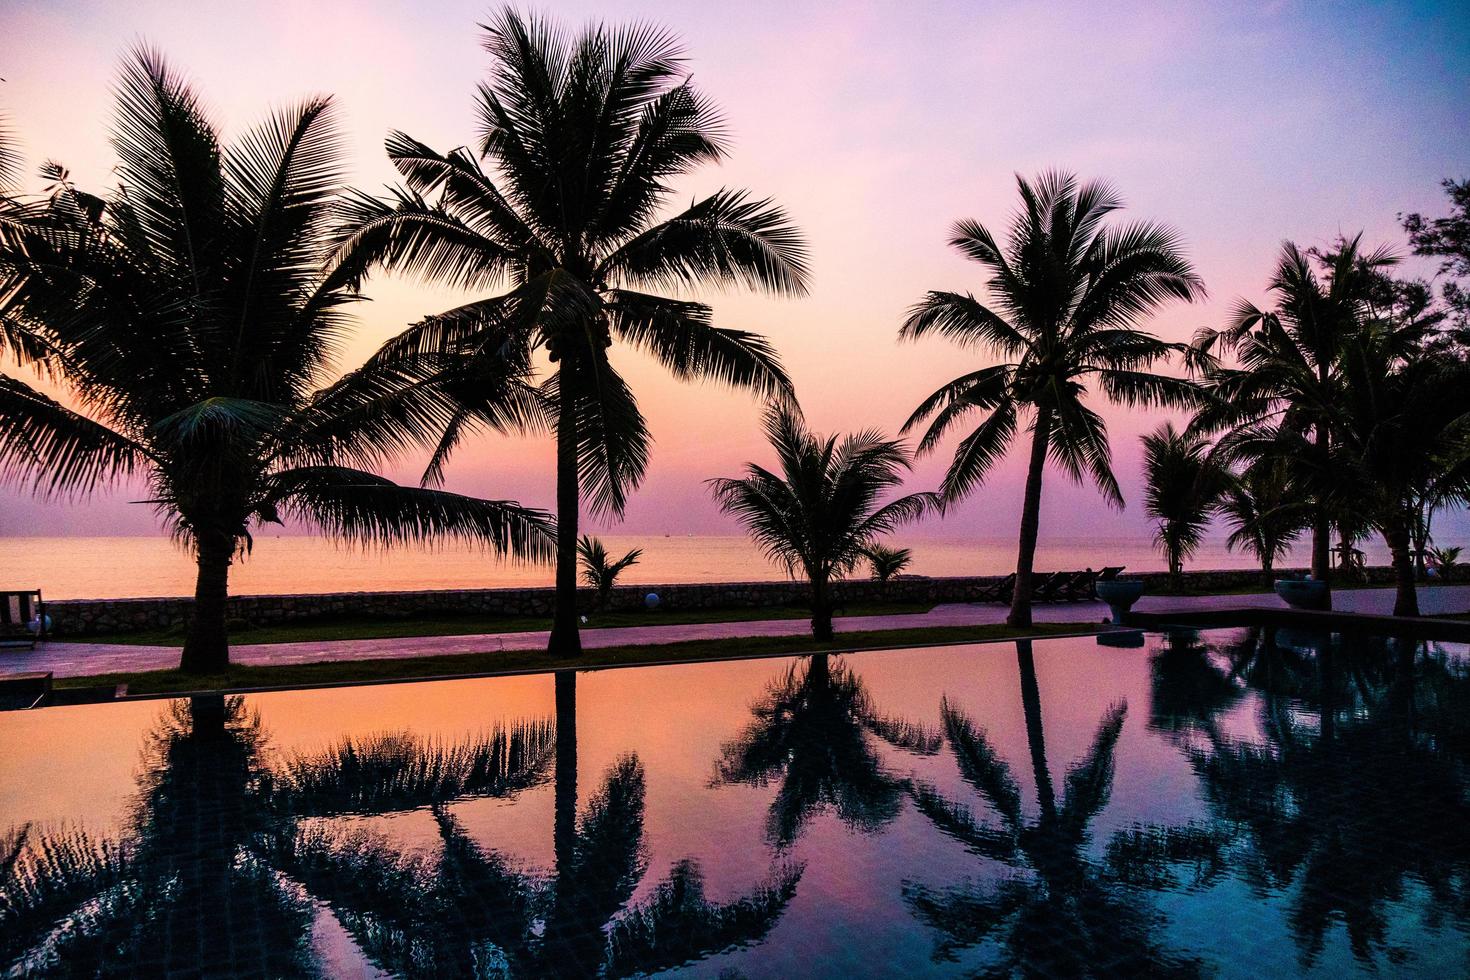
<point x="1082" y="587"/>
<point x="17" y="609"/>
<point x="1045" y="590"/>
<point x="998" y="591"/>
<point x="1064" y="589"/>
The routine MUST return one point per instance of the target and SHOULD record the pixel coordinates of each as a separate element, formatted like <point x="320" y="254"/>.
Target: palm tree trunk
<point x="564" y="828"/>
<point x="1406" y="600"/>
<point x="1321" y="524"/>
<point x="1035" y="734"/>
<point x="207" y="645"/>
<point x="1268" y="571"/>
<point x="565" y="640"/>
<point x="1030" y="521"/>
<point x="821" y="610"/>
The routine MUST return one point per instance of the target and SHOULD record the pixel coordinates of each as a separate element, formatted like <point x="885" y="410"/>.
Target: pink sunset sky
<point x="877" y="125"/>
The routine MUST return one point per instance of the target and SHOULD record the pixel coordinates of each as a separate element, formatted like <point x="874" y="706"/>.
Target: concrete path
<point x="78" y="659"/>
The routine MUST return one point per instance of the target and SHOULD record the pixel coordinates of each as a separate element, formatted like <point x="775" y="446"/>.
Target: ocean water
<point x="130" y="567"/>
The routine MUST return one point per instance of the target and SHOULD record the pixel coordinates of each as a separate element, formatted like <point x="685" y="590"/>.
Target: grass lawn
<point x="424" y="668"/>
<point x="372" y="628"/>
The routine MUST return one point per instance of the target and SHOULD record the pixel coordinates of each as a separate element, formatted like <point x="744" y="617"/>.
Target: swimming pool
<point x="1237" y="802"/>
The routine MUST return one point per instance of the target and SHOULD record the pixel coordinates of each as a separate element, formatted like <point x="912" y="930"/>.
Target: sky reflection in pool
<point x="1232" y="803"/>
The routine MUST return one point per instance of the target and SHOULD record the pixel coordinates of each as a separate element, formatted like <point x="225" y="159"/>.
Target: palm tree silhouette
<point x="202" y="879"/>
<point x="1288" y="357"/>
<point x="189" y="323"/>
<point x="583" y="135"/>
<point x="819" y="512"/>
<point x="1182" y="489"/>
<point x="1066" y="293"/>
<point x="810" y="731"/>
<point x="1065" y="914"/>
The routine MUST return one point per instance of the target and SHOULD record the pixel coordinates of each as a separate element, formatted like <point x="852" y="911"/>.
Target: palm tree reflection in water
<point x="810" y="731"/>
<point x="230" y="859"/>
<point x="1353" y="799"/>
<point x="1064" y="912"/>
<point x="198" y="881"/>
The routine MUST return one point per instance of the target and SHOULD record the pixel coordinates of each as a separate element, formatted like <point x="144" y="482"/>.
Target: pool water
<point x="1229" y="802"/>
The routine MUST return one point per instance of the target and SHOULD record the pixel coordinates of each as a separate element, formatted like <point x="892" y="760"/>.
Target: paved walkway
<point x="78" y="659"/>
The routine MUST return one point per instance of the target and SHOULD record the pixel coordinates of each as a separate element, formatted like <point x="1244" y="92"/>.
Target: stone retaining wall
<point x="77" y="617"/>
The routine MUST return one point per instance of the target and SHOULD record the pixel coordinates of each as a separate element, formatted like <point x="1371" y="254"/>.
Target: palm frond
<point x="678" y="923"/>
<point x="56" y="450"/>
<point x="365" y="509"/>
<point x="683" y="337"/>
<point x="394" y="772"/>
<point x="725" y="239"/>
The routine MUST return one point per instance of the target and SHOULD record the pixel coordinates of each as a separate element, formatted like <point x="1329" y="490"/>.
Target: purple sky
<point x="877" y="125"/>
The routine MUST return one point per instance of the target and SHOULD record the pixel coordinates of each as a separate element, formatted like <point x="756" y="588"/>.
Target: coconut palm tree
<point x="582" y="136"/>
<point x="1265" y="512"/>
<point x="822" y="511"/>
<point x="887" y="562"/>
<point x="1403" y="432"/>
<point x="1066" y="294"/>
<point x="599" y="570"/>
<point x="1182" y="487"/>
<point x="1287" y="356"/>
<point x="193" y="334"/>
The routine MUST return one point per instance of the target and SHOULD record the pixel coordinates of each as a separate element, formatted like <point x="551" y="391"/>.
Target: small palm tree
<point x="821" y="513"/>
<point x="1183" y="488"/>
<point x="1447" y="561"/>
<point x="583" y="135"/>
<point x="187" y="320"/>
<point x="1265" y="512"/>
<point x="1066" y="293"/>
<point x="887" y="562"/>
<point x="599" y="571"/>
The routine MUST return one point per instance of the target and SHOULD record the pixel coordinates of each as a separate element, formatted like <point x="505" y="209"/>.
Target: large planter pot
<point x="1304" y="593"/>
<point x="1120" y="595"/>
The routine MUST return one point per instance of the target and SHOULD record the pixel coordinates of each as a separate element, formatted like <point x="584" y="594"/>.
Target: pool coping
<point x="1102" y="628"/>
<point x="1421" y="627"/>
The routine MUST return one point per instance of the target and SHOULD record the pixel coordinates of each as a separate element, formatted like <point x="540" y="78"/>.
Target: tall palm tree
<point x="820" y="513"/>
<point x="1265" y="512"/>
<point x="1403" y="433"/>
<point x="1066" y="294"/>
<point x="582" y="137"/>
<point x="599" y="570"/>
<point x="1182" y="487"/>
<point x="1287" y="356"/>
<point x="189" y="323"/>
